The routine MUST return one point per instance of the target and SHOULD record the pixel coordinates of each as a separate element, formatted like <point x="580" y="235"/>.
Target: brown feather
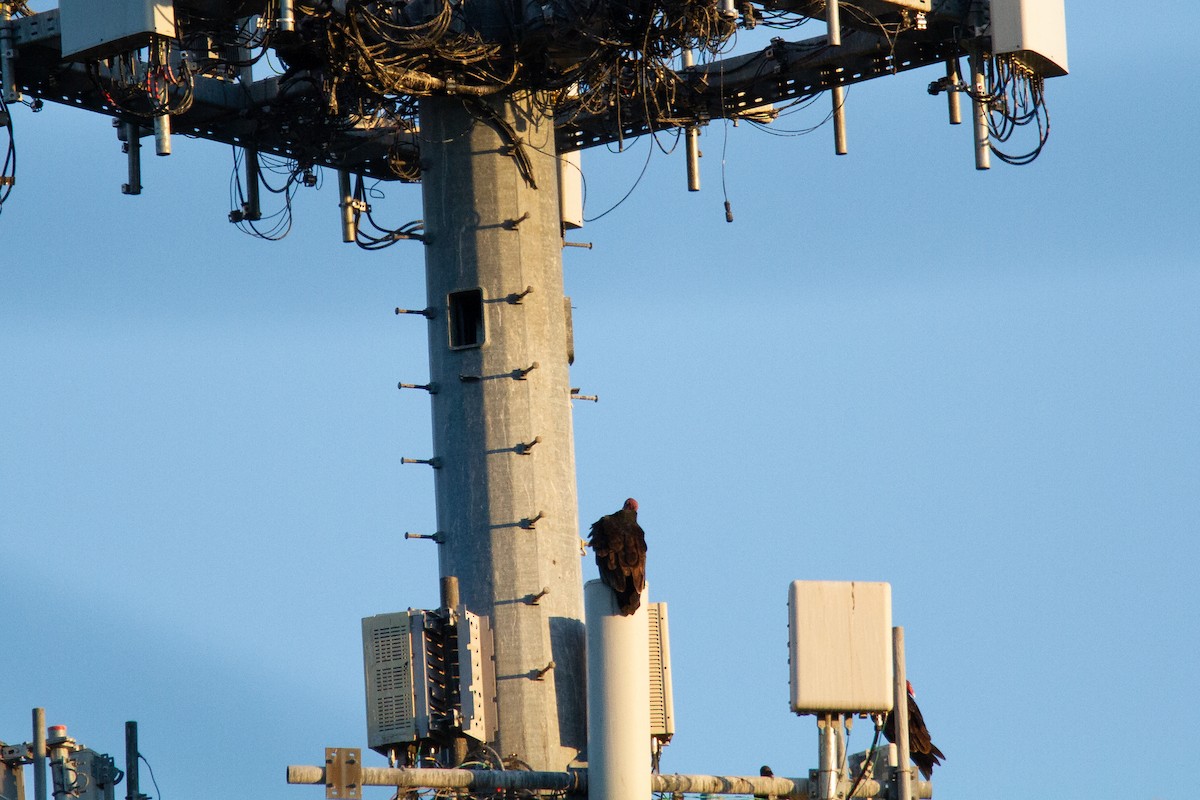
<point x="620" y="547"/>
<point x="922" y="750"/>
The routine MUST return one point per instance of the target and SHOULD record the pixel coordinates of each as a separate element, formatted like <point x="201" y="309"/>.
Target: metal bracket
<point x="343" y="773"/>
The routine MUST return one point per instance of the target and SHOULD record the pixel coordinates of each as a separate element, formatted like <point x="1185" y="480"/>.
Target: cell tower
<point x="485" y="104"/>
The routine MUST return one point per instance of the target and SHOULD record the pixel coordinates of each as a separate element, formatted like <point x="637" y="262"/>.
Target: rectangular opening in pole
<point x="466" y="318"/>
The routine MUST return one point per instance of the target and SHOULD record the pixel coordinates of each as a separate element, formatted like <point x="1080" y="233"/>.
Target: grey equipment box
<point x="95" y="29"/>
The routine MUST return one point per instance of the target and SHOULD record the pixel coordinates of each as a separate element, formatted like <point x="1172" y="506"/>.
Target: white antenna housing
<point x="840" y="644"/>
<point x="1035" y="31"/>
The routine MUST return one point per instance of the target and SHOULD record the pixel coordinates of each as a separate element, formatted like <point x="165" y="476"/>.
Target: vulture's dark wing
<point x="922" y="750"/>
<point x="620" y="547"/>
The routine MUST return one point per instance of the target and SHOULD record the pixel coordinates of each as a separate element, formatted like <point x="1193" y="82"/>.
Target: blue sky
<point x="980" y="387"/>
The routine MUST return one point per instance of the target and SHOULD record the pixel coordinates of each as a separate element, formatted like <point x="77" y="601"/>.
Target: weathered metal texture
<point x="506" y="508"/>
<point x="575" y="782"/>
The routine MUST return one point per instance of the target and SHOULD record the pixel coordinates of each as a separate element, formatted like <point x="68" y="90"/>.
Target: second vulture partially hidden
<point x="620" y="547"/>
<point x="922" y="749"/>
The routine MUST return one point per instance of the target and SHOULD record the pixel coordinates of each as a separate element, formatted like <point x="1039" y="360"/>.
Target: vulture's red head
<point x="631" y="505"/>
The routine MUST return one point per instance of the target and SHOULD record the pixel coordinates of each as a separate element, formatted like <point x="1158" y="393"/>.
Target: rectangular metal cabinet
<point x="1035" y="31"/>
<point x="387" y="663"/>
<point x="840" y="645"/>
<point x="93" y="29"/>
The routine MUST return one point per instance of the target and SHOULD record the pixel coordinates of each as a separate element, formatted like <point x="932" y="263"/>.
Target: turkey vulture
<point x="620" y="547"/>
<point x="923" y="751"/>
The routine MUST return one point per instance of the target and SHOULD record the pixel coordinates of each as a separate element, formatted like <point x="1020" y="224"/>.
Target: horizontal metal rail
<point x="575" y="782"/>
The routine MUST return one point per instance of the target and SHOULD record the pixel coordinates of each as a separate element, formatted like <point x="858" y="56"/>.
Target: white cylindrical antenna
<point x="162" y="135"/>
<point x="618" y="697"/>
<point x="728" y="10"/>
<point x="838" y="93"/>
<point x="979" y="90"/>
<point x="833" y="22"/>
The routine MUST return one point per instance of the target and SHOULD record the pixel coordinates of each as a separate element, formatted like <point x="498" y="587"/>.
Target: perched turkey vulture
<point x="620" y="547"/>
<point x="922" y="749"/>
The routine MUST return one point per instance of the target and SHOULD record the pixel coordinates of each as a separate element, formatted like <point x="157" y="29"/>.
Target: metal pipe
<point x="349" y="228"/>
<point x="952" y="100"/>
<point x="132" y="788"/>
<point x="839" y="119"/>
<point x="900" y="716"/>
<point x="576" y="781"/>
<point x="39" y="754"/>
<point x="8" y="56"/>
<point x="833" y="22"/>
<point x="287" y="19"/>
<point x="827" y="777"/>
<point x="692" y="147"/>
<point x="253" y="209"/>
<point x="979" y="88"/>
<point x="133" y="152"/>
<point x="162" y="135"/>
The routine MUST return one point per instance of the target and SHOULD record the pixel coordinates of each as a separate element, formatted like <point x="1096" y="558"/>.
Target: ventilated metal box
<point x="93" y="29"/>
<point x="1035" y="31"/>
<point x="662" y="701"/>
<point x="388" y="667"/>
<point x="840" y="644"/>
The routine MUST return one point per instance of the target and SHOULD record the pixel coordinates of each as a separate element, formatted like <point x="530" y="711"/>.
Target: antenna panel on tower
<point x="93" y="29"/>
<point x="662" y="701"/>
<point x="1035" y="31"/>
<point x="840" y="646"/>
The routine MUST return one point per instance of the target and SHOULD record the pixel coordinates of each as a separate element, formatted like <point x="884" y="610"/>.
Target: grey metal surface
<point x="507" y="513"/>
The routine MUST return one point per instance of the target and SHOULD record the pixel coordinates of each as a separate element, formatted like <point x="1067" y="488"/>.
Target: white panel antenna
<point x="662" y="701"/>
<point x="1034" y="31"/>
<point x="840" y="644"/>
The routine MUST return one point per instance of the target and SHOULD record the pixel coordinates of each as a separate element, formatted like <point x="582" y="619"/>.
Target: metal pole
<point x="838" y="93"/>
<point x="979" y="88"/>
<point x="692" y="134"/>
<point x="162" y="135"/>
<point x="509" y="521"/>
<point x="39" y="754"/>
<point x="349" y="232"/>
<point x="833" y="23"/>
<point x="952" y="101"/>
<point x="575" y="782"/>
<point x="133" y="150"/>
<point x="827" y="778"/>
<point x="904" y="776"/>
<point x="8" y="86"/>
<point x="132" y="788"/>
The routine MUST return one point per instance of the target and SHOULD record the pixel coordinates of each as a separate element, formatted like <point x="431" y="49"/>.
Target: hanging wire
<point x="8" y="169"/>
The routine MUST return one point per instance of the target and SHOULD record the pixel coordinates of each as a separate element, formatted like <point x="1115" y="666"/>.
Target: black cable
<point x="8" y="171"/>
<point x="152" y="779"/>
